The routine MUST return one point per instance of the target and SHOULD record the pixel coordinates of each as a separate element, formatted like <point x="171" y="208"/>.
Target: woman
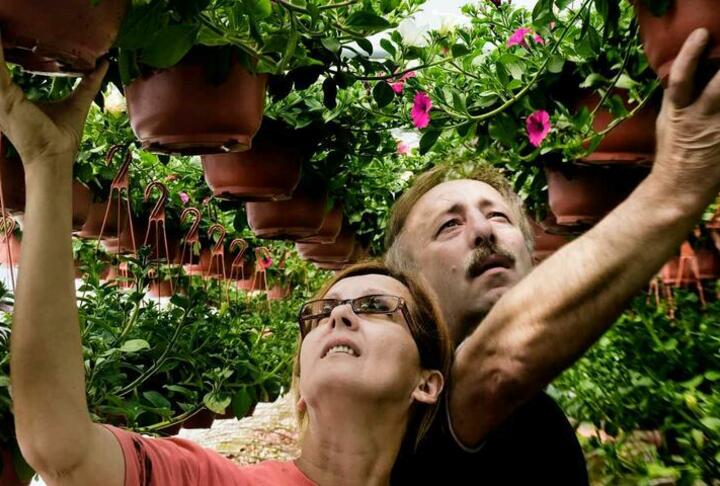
<point x="370" y="362"/>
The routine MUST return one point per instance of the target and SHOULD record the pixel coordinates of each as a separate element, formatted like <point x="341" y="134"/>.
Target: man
<point x="515" y="329"/>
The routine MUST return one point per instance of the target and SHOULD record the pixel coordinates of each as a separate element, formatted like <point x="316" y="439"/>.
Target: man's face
<point x="468" y="244"/>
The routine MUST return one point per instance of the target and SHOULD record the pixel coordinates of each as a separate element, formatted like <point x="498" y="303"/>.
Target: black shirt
<point x="536" y="445"/>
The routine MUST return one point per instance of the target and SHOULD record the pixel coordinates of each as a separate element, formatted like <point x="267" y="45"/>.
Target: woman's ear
<point x="429" y="387"/>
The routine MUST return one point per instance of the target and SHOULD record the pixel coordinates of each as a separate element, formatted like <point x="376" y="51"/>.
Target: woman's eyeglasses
<point x="317" y="312"/>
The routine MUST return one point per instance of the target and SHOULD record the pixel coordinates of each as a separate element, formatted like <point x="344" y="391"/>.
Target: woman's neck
<point x="352" y="446"/>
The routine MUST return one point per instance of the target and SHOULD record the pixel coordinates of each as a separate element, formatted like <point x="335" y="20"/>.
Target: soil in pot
<point x="663" y="36"/>
<point x="53" y="37"/>
<point x="181" y="110"/>
<point x="269" y="171"/>
<point x="296" y="218"/>
<point x="580" y="196"/>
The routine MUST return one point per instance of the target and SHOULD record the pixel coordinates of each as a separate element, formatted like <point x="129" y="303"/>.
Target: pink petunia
<point x="403" y="148"/>
<point x="184" y="197"/>
<point x="399" y="85"/>
<point x="538" y="39"/>
<point x="538" y="127"/>
<point x="518" y="37"/>
<point x="265" y="263"/>
<point x="421" y="110"/>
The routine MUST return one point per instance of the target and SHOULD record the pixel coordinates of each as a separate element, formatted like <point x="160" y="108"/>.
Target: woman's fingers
<point x="682" y="74"/>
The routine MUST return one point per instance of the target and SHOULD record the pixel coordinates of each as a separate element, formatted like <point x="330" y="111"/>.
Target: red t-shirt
<point x="180" y="462"/>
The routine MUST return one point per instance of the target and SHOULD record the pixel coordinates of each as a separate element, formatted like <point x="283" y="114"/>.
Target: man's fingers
<point x="89" y="87"/>
<point x="682" y="73"/>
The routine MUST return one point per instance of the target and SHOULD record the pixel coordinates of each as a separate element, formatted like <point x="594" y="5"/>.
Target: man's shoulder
<point x="536" y="444"/>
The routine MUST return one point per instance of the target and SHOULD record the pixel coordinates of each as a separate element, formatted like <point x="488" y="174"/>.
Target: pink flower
<point x="265" y="263"/>
<point x="184" y="197"/>
<point x="403" y="148"/>
<point x="421" y="110"/>
<point x="518" y="37"/>
<point x="538" y="127"/>
<point x="399" y="85"/>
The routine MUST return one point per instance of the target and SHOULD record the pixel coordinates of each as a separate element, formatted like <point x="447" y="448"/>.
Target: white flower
<point x="412" y="34"/>
<point x="114" y="101"/>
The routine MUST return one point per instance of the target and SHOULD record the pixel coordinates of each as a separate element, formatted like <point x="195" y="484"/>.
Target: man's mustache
<point x="485" y="250"/>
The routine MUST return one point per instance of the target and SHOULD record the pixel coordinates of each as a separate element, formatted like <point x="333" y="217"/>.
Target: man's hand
<point x="688" y="152"/>
<point x="45" y="131"/>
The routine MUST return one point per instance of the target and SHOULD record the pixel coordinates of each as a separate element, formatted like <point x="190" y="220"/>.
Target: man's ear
<point x="429" y="387"/>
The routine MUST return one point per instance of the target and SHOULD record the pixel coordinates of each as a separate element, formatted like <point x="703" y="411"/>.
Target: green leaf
<point x="241" y="403"/>
<point x="157" y="400"/>
<point x="367" y="21"/>
<point x="134" y="345"/>
<point x="169" y="46"/>
<point x="139" y="24"/>
<point x="216" y="404"/>
<point x="428" y="140"/>
<point x="259" y="9"/>
<point x="459" y="50"/>
<point x="383" y="94"/>
<point x="366" y="46"/>
<point x="712" y="375"/>
<point x="556" y="64"/>
<point x="712" y="423"/>
<point x="388" y="46"/>
<point x="331" y="44"/>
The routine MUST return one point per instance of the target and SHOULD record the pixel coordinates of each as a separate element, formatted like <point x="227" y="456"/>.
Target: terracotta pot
<point x="269" y="171"/>
<point x="708" y="263"/>
<point x="630" y="142"/>
<point x="339" y="252"/>
<point x="296" y="218"/>
<point x="80" y="204"/>
<point x="330" y="229"/>
<point x="13" y="255"/>
<point x="663" y="36"/>
<point x="160" y="289"/>
<point x="278" y="292"/>
<point x="93" y="224"/>
<point x="201" y="420"/>
<point x="123" y="243"/>
<point x="8" y="475"/>
<point x="545" y="243"/>
<point x="65" y="37"/>
<point x="177" y="110"/>
<point x="200" y="265"/>
<point x="580" y="196"/>
<point x="12" y="181"/>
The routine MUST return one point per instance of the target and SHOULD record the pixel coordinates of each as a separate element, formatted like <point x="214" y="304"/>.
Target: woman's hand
<point x="46" y="133"/>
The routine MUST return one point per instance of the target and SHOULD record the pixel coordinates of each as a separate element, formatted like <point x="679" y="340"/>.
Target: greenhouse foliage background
<point x="378" y="104"/>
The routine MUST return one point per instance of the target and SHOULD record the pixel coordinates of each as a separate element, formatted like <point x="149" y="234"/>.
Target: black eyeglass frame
<point x="401" y="305"/>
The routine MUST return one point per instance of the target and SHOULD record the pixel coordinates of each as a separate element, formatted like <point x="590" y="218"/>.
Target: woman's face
<point x="368" y="356"/>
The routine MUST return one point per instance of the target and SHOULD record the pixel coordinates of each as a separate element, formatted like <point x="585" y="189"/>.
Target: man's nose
<point x="479" y="229"/>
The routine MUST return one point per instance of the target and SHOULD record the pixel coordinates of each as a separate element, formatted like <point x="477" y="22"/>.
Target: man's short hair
<point x="456" y="169"/>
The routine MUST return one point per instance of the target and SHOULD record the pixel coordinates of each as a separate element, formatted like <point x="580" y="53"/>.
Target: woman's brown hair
<point x="429" y="333"/>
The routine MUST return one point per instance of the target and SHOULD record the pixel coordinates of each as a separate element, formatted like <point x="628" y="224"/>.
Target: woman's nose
<point x="343" y="315"/>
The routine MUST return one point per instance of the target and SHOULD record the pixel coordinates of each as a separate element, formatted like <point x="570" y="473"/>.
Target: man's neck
<point x="354" y="446"/>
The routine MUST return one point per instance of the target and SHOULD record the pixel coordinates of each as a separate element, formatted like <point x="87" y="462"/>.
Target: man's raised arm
<point x="549" y="319"/>
<point x="52" y="421"/>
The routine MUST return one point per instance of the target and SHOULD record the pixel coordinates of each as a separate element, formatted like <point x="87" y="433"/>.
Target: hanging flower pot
<point x="664" y="35"/>
<point x="330" y="228"/>
<point x="631" y="142"/>
<point x="68" y="37"/>
<point x="201" y="420"/>
<point x="10" y="250"/>
<point x="708" y="266"/>
<point x="182" y="110"/>
<point x="279" y="292"/>
<point x="127" y="242"/>
<point x="546" y="243"/>
<point x="298" y="217"/>
<point x="81" y="200"/>
<point x="159" y="289"/>
<point x="339" y="252"/>
<point x="93" y="224"/>
<point x="579" y="196"/>
<point x="269" y="171"/>
<point x="12" y="180"/>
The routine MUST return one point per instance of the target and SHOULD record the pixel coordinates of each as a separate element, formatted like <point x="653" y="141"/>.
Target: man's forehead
<point x="444" y="196"/>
